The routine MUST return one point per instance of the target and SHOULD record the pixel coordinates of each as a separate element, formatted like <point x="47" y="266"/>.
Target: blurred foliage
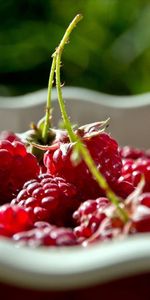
<point x="109" y="50"/>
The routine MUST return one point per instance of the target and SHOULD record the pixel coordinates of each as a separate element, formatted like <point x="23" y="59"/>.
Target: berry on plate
<point x="104" y="151"/>
<point x="44" y="234"/>
<point x="16" y="167"/>
<point x="13" y="219"/>
<point x="133" y="170"/>
<point x="48" y="198"/>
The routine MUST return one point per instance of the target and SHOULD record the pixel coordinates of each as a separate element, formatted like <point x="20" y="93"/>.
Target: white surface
<point x="61" y="268"/>
<point x="130" y="121"/>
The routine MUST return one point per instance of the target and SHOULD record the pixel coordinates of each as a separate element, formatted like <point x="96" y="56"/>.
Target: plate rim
<point x="68" y="268"/>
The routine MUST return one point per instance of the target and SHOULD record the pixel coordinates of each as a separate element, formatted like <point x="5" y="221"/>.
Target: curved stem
<point x="75" y="139"/>
<point x="65" y="38"/>
<point x="58" y="54"/>
<point x="47" y="123"/>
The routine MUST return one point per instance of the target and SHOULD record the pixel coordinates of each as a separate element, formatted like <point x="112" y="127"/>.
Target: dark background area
<point x="109" y="51"/>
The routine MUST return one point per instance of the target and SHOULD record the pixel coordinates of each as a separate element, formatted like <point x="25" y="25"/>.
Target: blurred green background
<point x="109" y="51"/>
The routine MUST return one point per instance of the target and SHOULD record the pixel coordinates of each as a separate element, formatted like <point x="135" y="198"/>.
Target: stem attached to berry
<point x="80" y="147"/>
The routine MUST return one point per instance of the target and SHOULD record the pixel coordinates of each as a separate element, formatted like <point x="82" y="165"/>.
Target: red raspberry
<point x="9" y="136"/>
<point x="132" y="171"/>
<point x="144" y="199"/>
<point x="48" y="198"/>
<point x="133" y="153"/>
<point x="98" y="221"/>
<point x="13" y="219"/>
<point x="123" y="188"/>
<point x="140" y="218"/>
<point x="89" y="216"/>
<point x="109" y="228"/>
<point x="45" y="234"/>
<point x="16" y="167"/>
<point x="104" y="151"/>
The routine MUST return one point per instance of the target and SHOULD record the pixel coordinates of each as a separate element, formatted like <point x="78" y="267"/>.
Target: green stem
<point x="47" y="123"/>
<point x="65" y="38"/>
<point x="74" y="138"/>
<point x="58" y="54"/>
<point x="61" y="102"/>
<point x="59" y="50"/>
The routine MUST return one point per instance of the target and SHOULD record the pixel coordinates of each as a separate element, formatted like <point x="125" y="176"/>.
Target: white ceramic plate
<point x="130" y="115"/>
<point x="75" y="267"/>
<point x="67" y="268"/>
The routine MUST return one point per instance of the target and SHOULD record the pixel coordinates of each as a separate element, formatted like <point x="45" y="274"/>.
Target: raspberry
<point x="89" y="216"/>
<point x="141" y="219"/>
<point x="144" y="199"/>
<point x="104" y="151"/>
<point x="97" y="220"/>
<point x="109" y="228"/>
<point x="123" y="188"/>
<point x="141" y="214"/>
<point x="44" y="234"/>
<point x="13" y="219"/>
<point x="16" y="167"/>
<point x="48" y="198"/>
<point x="9" y="136"/>
<point x="133" y="153"/>
<point x="132" y="171"/>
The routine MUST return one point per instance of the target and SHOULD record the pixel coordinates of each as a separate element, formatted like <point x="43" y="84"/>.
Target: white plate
<point x="67" y="268"/>
<point x="130" y="120"/>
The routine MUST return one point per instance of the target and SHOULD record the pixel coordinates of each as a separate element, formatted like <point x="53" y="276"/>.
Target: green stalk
<point x="74" y="138"/>
<point x="59" y="50"/>
<point x="47" y="123"/>
<point x="58" y="54"/>
<point x="61" y="102"/>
